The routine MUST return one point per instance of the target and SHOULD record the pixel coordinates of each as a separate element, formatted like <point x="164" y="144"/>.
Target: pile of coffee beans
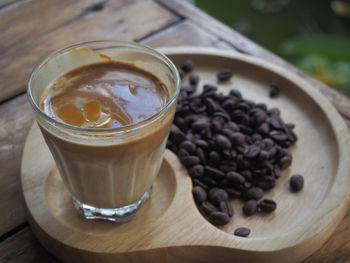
<point x="232" y="148"/>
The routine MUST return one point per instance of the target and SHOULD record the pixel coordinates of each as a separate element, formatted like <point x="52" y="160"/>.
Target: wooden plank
<point x="26" y="42"/>
<point x="24" y="247"/>
<point x="15" y="119"/>
<point x="245" y="45"/>
<point x="184" y="33"/>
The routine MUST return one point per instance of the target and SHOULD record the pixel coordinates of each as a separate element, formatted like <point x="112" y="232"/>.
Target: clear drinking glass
<point x="108" y="171"/>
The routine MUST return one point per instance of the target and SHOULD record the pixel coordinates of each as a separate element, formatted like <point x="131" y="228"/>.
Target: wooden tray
<point x="168" y="227"/>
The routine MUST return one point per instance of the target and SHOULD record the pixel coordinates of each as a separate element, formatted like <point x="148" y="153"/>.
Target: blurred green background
<point x="314" y="35"/>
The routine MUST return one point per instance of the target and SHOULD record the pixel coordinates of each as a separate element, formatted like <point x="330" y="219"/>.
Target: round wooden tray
<point x="169" y="227"/>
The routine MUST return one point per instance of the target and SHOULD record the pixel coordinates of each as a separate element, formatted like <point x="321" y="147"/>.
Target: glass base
<point x="121" y="214"/>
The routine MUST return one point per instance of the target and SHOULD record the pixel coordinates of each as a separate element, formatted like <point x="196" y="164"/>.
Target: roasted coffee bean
<point x="274" y="122"/>
<point x="199" y="194"/>
<point x="237" y="138"/>
<point x="223" y="142"/>
<point x="296" y="182"/>
<point x="285" y="162"/>
<point x="190" y="160"/>
<point x="224" y="74"/>
<point x="196" y="171"/>
<point x="210" y="182"/>
<point x="201" y="155"/>
<point x="274" y="112"/>
<point x="182" y="153"/>
<point x="252" y="151"/>
<point x="254" y="193"/>
<point x="260" y="117"/>
<point x="274" y="90"/>
<point x="242" y="232"/>
<point x="290" y="126"/>
<point x="214" y="157"/>
<point x="236" y="93"/>
<point x="247" y="175"/>
<point x="226" y="208"/>
<point x="213" y="172"/>
<point x="188" y="146"/>
<point x="208" y="207"/>
<point x="264" y="128"/>
<point x="278" y="135"/>
<point x="194" y="79"/>
<point x="235" y="178"/>
<point x="187" y="65"/>
<point x="201" y="143"/>
<point x="201" y="184"/>
<point x="250" y="207"/>
<point x="267" y="205"/>
<point x="199" y="125"/>
<point x="219" y="218"/>
<point x="181" y="72"/>
<point x="216" y="195"/>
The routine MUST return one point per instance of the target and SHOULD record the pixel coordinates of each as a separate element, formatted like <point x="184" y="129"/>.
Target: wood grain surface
<point x="170" y="18"/>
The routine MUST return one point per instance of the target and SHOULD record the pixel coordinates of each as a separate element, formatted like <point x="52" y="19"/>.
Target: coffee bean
<point x="201" y="143"/>
<point x="199" y="125"/>
<point x="190" y="160"/>
<point x="250" y="207"/>
<point x="242" y="232"/>
<point x="275" y="90"/>
<point x="223" y="142"/>
<point x="254" y="193"/>
<point x="209" y="181"/>
<point x="216" y="195"/>
<point x="235" y="178"/>
<point x="201" y="184"/>
<point x="252" y="151"/>
<point x="196" y="171"/>
<point x="201" y="155"/>
<point x="214" y="157"/>
<point x="285" y="162"/>
<point x="219" y="218"/>
<point x="199" y="194"/>
<point x="296" y="182"/>
<point x="226" y="208"/>
<point x="236" y="93"/>
<point x="213" y="172"/>
<point x="188" y="146"/>
<point x="267" y="205"/>
<point x="187" y="65"/>
<point x="208" y="207"/>
<point x="278" y="135"/>
<point x="224" y="74"/>
<point x="194" y="79"/>
<point x="237" y="138"/>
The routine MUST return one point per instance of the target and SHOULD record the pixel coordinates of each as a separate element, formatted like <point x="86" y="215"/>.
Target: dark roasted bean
<point x="250" y="207"/>
<point x="196" y="171"/>
<point x="199" y="194"/>
<point x="209" y="181"/>
<point x="201" y="184"/>
<point x="237" y="138"/>
<point x="236" y="93"/>
<point x="267" y="205"/>
<point x="274" y="90"/>
<point x="224" y="74"/>
<point x="296" y="182"/>
<point x="188" y="146"/>
<point x="254" y="193"/>
<point x="278" y="135"/>
<point x="216" y="195"/>
<point x="285" y="162"/>
<point x="223" y="141"/>
<point x="201" y="143"/>
<point x="233" y="193"/>
<point x="242" y="232"/>
<point x="190" y="160"/>
<point x="201" y="155"/>
<point x="235" y="178"/>
<point x="208" y="207"/>
<point x="226" y="208"/>
<point x="214" y="173"/>
<point x="187" y="65"/>
<point x="219" y="218"/>
<point x="252" y="151"/>
<point x="194" y="79"/>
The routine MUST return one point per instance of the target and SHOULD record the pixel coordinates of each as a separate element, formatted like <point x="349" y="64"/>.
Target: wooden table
<point x="31" y="29"/>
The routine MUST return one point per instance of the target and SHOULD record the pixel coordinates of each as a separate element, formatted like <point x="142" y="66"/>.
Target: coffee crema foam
<point x="104" y="95"/>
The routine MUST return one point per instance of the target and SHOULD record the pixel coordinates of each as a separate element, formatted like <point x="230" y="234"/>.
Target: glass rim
<point x="125" y="127"/>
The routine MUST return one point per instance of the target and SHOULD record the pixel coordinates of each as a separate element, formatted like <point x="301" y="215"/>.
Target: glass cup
<point x="108" y="171"/>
